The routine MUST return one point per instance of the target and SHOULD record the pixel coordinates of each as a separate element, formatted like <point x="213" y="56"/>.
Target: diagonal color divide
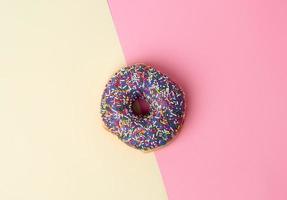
<point x="230" y="58"/>
<point x="55" y="58"/>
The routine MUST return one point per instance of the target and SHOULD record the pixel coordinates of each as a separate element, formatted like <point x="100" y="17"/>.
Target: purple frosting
<point x="165" y="99"/>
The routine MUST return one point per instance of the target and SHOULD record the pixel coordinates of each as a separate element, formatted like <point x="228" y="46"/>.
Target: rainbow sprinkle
<point x="165" y="99"/>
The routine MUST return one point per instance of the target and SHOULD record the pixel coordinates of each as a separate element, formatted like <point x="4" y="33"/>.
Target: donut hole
<point x="140" y="107"/>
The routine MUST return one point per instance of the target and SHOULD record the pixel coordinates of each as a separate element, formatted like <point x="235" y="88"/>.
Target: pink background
<point x="230" y="58"/>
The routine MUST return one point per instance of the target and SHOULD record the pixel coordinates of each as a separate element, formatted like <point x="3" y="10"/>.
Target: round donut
<point x="166" y="107"/>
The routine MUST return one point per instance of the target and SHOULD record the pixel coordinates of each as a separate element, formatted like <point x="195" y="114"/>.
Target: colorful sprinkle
<point x="165" y="99"/>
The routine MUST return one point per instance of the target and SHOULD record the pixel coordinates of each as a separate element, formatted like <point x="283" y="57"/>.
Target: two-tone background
<point x="229" y="57"/>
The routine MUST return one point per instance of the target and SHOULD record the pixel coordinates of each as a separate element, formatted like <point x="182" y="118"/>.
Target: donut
<point x="166" y="107"/>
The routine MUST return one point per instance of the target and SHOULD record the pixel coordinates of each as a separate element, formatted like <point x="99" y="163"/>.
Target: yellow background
<point x="55" y="58"/>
